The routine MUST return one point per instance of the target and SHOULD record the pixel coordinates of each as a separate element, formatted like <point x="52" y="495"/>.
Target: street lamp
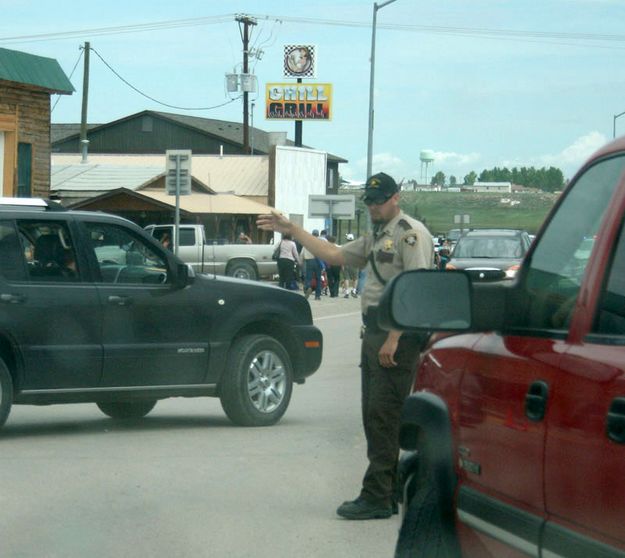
<point x="614" y="123"/>
<point x="376" y="7"/>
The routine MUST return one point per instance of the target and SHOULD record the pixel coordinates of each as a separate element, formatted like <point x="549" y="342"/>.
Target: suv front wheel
<point x="258" y="381"/>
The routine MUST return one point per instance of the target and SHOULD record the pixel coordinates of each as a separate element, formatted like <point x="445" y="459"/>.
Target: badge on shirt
<point x="411" y="239"/>
<point x="388" y="245"/>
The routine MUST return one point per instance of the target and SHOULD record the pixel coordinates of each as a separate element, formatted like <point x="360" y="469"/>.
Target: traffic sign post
<point x="331" y="207"/>
<point x="178" y="182"/>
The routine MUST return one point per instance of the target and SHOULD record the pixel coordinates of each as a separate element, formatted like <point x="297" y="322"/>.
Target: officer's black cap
<point x="379" y="188"/>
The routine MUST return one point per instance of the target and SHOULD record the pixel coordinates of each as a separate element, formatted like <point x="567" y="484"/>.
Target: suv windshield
<point x="488" y="247"/>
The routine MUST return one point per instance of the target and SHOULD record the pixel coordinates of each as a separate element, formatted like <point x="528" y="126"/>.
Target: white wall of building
<point x="299" y="173"/>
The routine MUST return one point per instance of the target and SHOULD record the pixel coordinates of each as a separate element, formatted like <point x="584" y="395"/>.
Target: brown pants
<point x="383" y="394"/>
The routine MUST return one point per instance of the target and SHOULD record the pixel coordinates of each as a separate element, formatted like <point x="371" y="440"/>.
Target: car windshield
<point x="486" y="247"/>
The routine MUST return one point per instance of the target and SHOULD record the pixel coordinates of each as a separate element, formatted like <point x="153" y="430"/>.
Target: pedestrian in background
<point x="388" y="358"/>
<point x="287" y="260"/>
<point x="334" y="274"/>
<point x="312" y="269"/>
<point x="349" y="275"/>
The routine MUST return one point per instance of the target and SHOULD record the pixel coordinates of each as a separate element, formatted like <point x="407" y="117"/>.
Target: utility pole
<point x="376" y="7"/>
<point x="244" y="25"/>
<point x="84" y="142"/>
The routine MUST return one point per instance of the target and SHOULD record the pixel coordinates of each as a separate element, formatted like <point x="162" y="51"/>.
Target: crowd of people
<point x="297" y="264"/>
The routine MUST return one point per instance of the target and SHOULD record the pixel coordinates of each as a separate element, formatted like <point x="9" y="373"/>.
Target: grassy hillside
<point x="437" y="209"/>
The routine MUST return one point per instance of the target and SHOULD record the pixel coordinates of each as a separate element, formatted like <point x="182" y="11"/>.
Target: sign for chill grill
<point x="300" y="61"/>
<point x="298" y="101"/>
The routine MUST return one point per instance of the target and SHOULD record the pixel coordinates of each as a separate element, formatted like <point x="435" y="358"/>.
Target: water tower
<point x="427" y="157"/>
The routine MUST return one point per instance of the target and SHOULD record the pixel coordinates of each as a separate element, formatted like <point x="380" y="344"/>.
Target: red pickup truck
<point x="514" y="435"/>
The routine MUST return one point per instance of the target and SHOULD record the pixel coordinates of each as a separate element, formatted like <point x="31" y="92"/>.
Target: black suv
<point x="92" y="309"/>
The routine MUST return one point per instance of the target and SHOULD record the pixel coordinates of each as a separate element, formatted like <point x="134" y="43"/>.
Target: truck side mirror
<point x="427" y="300"/>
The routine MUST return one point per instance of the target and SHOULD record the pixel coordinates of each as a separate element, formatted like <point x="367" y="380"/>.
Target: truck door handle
<point x="120" y="300"/>
<point x="536" y="400"/>
<point x="615" y="426"/>
<point x="8" y="298"/>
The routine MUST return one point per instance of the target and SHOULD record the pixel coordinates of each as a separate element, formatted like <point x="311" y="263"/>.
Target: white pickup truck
<point x="244" y="261"/>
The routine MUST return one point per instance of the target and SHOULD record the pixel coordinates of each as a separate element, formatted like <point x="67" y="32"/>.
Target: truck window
<point x="187" y="237"/>
<point x="555" y="272"/>
<point x="610" y="317"/>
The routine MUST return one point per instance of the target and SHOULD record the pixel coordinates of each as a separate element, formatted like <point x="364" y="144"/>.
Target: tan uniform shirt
<point x="403" y="243"/>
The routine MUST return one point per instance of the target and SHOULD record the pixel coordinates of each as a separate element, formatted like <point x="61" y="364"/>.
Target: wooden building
<point x="26" y="83"/>
<point x="154" y="132"/>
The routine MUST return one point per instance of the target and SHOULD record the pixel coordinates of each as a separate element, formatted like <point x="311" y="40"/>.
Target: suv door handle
<point x="615" y="426"/>
<point x="8" y="298"/>
<point x="120" y="300"/>
<point x="536" y="400"/>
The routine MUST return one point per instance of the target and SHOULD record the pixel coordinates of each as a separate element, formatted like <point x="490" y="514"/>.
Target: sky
<point x="483" y="83"/>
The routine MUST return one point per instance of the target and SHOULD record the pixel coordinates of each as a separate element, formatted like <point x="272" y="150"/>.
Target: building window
<point x="24" y="170"/>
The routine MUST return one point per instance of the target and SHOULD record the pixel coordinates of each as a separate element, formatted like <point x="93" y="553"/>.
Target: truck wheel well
<point x="232" y="264"/>
<point x="426" y="427"/>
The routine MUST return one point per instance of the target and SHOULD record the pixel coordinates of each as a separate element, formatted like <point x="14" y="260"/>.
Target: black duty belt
<point x="370" y="319"/>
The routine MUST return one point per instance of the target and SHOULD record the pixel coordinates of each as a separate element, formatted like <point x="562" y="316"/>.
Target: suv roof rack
<point x="31" y="203"/>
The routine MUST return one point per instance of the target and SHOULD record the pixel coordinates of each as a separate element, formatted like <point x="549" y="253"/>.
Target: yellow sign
<point x="298" y="101"/>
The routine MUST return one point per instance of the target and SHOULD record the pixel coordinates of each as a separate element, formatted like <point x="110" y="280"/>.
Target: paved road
<point x="184" y="483"/>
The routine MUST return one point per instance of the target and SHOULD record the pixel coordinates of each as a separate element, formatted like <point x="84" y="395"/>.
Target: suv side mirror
<point x="427" y="300"/>
<point x="184" y="275"/>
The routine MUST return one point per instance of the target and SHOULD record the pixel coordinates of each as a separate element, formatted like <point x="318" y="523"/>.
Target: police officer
<point x="388" y="358"/>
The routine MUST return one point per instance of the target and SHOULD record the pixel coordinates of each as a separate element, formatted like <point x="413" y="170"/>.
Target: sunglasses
<point x="369" y="201"/>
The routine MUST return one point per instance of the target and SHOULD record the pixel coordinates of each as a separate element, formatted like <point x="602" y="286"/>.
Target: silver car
<point x="490" y="254"/>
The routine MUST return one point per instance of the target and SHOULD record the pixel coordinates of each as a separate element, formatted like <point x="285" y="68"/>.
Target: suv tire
<point x="6" y="392"/>
<point x="258" y="381"/>
<point x="127" y="409"/>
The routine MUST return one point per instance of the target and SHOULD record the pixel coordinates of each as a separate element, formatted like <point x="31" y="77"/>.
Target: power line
<point x="120" y="29"/>
<point x="152" y="98"/>
<point x="548" y="37"/>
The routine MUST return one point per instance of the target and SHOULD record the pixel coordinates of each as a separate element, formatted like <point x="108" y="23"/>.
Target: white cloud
<point x="450" y="158"/>
<point x="573" y="156"/>
<point x="569" y="159"/>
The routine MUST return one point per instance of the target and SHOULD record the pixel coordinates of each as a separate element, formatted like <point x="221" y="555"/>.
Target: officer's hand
<point x="274" y="221"/>
<point x="386" y="354"/>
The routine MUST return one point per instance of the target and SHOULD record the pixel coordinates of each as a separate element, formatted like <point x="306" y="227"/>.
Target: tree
<point x="453" y="180"/>
<point x="470" y="178"/>
<point x="438" y="179"/>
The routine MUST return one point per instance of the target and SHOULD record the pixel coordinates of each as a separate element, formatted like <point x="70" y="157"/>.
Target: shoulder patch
<point x="404" y="225"/>
<point x="411" y="238"/>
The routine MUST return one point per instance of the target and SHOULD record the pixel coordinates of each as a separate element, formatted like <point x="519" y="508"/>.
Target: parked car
<point x="490" y="254"/>
<point x="514" y="435"/>
<point x="93" y="309"/>
<point x="243" y="261"/>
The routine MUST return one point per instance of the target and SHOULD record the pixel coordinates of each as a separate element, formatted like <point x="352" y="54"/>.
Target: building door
<point x="24" y="170"/>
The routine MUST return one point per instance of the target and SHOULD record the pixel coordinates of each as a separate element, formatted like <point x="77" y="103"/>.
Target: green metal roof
<point x="41" y="72"/>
